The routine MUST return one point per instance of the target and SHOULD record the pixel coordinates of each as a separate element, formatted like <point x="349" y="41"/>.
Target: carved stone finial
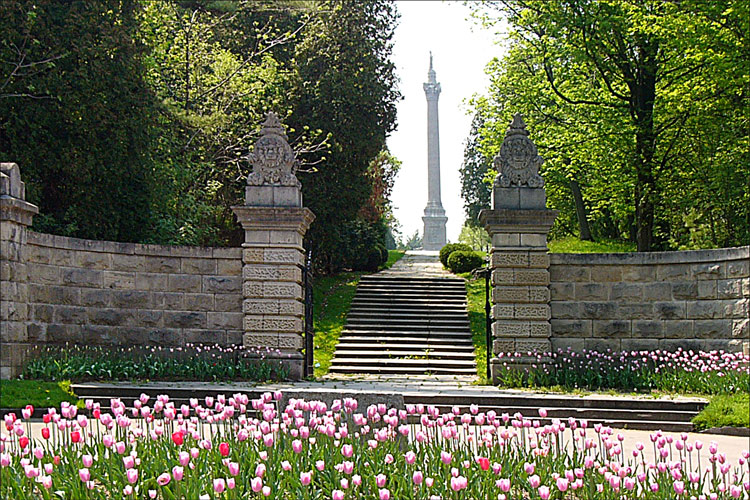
<point x="518" y="161"/>
<point x="272" y="158"/>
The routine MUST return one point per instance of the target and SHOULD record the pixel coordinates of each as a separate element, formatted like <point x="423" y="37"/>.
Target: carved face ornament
<point x="272" y="158"/>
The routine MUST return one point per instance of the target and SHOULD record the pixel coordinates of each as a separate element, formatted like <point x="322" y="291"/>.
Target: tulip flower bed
<point x="238" y="448"/>
<point x="714" y="372"/>
<point x="192" y="362"/>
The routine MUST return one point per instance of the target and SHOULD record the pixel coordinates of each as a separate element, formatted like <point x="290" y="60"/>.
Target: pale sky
<point x="461" y="49"/>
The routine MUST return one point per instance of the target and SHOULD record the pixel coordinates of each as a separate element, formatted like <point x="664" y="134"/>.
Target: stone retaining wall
<point x="107" y="293"/>
<point x="690" y="299"/>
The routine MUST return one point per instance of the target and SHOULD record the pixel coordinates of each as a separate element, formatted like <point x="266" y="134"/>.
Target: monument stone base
<point x="434" y="232"/>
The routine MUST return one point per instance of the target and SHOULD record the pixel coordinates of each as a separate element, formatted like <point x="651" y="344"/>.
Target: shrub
<point x="373" y="259"/>
<point x="383" y="254"/>
<point x="448" y="249"/>
<point x="462" y="261"/>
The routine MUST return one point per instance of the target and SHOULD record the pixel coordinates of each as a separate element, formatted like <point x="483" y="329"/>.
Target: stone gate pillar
<point x="16" y="215"/>
<point x="518" y="224"/>
<point x="275" y="222"/>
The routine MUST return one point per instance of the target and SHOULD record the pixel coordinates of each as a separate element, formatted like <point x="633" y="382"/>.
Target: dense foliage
<point x="130" y="119"/>
<point x="475" y="184"/>
<point x="642" y="106"/>
<point x="462" y="261"/>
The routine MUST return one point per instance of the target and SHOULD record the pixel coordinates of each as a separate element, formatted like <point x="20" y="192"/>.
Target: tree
<point x="78" y="120"/>
<point x="475" y="190"/>
<point x="349" y="92"/>
<point x="624" y="91"/>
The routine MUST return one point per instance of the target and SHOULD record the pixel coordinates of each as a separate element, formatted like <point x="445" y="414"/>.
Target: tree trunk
<point x="645" y="140"/>
<point x="583" y="223"/>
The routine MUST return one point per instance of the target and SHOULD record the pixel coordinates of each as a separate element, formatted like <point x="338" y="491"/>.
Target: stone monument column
<point x="434" y="218"/>
<point x="275" y="222"/>
<point x="16" y="214"/>
<point x="518" y="224"/>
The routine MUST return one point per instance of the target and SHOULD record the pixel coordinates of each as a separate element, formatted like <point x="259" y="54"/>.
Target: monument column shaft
<point x="434" y="216"/>
<point x="433" y="153"/>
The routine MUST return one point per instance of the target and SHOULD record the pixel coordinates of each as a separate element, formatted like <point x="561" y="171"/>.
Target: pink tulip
<point x="384" y="494"/>
<point x="380" y="480"/>
<point x="127" y="491"/>
<point x="446" y="457"/>
<point x="128" y="461"/>
<point x="534" y="481"/>
<point x="417" y="477"/>
<point x="347" y="450"/>
<point x="178" y="472"/>
<point x="356" y="480"/>
<point x="562" y="484"/>
<point x="84" y="474"/>
<point x="266" y="491"/>
<point x="256" y="484"/>
<point x="337" y="495"/>
<point x="260" y="470"/>
<point x="320" y="465"/>
<point x="163" y="479"/>
<point x="132" y="475"/>
<point x="544" y="492"/>
<point x="285" y="465"/>
<point x="231" y="483"/>
<point x="305" y="478"/>
<point x="504" y="485"/>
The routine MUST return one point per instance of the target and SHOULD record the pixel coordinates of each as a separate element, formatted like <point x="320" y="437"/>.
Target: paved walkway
<point x="418" y="264"/>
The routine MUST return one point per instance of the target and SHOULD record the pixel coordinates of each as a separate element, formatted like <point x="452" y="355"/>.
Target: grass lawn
<point x="571" y="244"/>
<point x="475" y="306"/>
<point x="332" y="296"/>
<point x="19" y="393"/>
<point x="725" y="411"/>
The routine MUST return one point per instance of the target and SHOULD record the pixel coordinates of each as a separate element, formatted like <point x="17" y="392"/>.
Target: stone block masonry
<point x="106" y="293"/>
<point x="691" y="299"/>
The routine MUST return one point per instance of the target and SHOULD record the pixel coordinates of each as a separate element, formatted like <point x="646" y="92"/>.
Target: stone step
<point x="406" y="297"/>
<point x="401" y="279"/>
<point x="370" y="331"/>
<point x="406" y="303"/>
<point x="646" y="425"/>
<point x="406" y="339"/>
<point x="402" y="352"/>
<point x="535" y="401"/>
<point x="563" y="413"/>
<point x="423" y="321"/>
<point x="404" y="361"/>
<point x="364" y="343"/>
<point x="383" y="369"/>
<point x="436" y="311"/>
<point x="411" y="288"/>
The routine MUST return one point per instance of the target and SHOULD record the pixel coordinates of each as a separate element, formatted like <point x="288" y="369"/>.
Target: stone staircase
<point x="620" y="412"/>
<point x="402" y="324"/>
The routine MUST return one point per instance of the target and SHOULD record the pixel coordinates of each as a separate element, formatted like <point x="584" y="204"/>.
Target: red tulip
<point x="45" y="432"/>
<point x="224" y="449"/>
<point x="56" y="460"/>
<point x="96" y="413"/>
<point x="484" y="463"/>
<point x="47" y="418"/>
<point x="24" y="441"/>
<point x="75" y="436"/>
<point x="178" y="438"/>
